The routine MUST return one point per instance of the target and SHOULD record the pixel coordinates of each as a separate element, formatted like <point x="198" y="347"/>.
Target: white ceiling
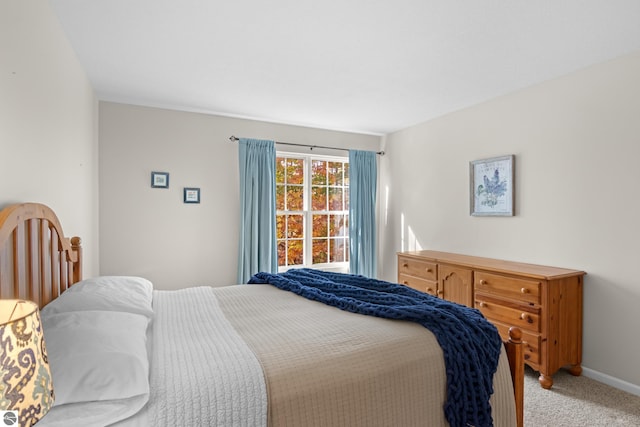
<point x="370" y="66"/>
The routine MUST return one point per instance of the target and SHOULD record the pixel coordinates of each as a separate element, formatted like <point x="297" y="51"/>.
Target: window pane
<point x="280" y="165"/>
<point x="295" y="198"/>
<point x="295" y="171"/>
<point x="346" y="250"/>
<point x="337" y="226"/>
<point x="280" y="226"/>
<point x="335" y="199"/>
<point x="295" y="252"/>
<point x="318" y="172"/>
<point x="335" y="173"/>
<point x="295" y="226"/>
<point x="282" y="253"/>
<point x="320" y="223"/>
<point x="336" y="249"/>
<point x="346" y="174"/>
<point x="279" y="197"/>
<point x="318" y="198"/>
<point x="320" y="251"/>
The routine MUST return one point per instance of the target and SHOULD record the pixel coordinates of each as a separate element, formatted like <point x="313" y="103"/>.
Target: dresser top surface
<point x="494" y="265"/>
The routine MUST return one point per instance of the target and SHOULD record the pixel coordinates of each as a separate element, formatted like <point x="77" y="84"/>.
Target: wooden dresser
<point x="544" y="302"/>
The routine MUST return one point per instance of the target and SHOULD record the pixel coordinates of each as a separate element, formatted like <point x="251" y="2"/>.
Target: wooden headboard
<point x="37" y="262"/>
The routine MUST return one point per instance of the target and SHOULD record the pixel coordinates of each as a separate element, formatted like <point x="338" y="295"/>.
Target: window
<point x="312" y="204"/>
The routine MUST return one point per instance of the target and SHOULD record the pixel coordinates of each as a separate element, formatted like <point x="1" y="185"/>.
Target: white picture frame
<point x="492" y="186"/>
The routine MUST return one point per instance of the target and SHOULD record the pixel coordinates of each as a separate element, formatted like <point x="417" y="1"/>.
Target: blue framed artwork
<point x="159" y="180"/>
<point x="192" y="195"/>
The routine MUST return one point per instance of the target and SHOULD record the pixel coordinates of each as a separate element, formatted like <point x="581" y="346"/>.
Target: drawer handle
<point x="482" y="304"/>
<point x="405" y="282"/>
<point x="524" y="290"/>
<point x="526" y="318"/>
<point x="405" y="265"/>
<point x="430" y="290"/>
<point x="429" y="270"/>
<point x="483" y="282"/>
<point x="440" y="292"/>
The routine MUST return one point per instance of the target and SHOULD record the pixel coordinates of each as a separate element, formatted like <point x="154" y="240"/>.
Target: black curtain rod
<point x="234" y="139"/>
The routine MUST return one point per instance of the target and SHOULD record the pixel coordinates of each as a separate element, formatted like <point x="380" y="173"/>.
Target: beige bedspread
<point x="326" y="367"/>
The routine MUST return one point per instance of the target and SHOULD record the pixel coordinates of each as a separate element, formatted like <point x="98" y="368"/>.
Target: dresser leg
<point x="575" y="370"/>
<point x="546" y="381"/>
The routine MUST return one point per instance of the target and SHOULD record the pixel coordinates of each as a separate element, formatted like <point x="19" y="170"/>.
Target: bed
<point x="245" y="355"/>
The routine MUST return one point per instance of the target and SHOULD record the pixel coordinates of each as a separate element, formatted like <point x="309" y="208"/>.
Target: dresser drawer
<point x="525" y="290"/>
<point x="530" y="343"/>
<point x="510" y="314"/>
<point x="419" y="268"/>
<point x="426" y="286"/>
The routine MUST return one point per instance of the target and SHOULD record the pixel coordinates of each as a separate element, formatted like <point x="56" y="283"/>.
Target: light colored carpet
<point x="577" y="401"/>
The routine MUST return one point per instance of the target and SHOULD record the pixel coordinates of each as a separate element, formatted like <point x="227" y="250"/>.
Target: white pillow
<point x="97" y="355"/>
<point x="99" y="413"/>
<point x="106" y="293"/>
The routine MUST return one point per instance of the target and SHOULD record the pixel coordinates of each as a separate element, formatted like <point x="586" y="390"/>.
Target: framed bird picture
<point x="492" y="186"/>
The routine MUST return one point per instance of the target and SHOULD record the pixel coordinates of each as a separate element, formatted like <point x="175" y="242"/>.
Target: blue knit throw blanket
<point x="471" y="345"/>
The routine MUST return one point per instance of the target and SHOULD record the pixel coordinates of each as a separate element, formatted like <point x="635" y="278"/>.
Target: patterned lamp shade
<point x="26" y="390"/>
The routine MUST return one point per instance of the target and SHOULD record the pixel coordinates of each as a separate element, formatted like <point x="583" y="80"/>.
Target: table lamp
<point x="26" y="389"/>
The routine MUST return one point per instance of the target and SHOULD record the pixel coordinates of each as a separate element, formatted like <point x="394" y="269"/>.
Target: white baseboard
<point x="611" y="381"/>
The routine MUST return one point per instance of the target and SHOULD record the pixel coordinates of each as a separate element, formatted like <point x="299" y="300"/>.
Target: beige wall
<point x="150" y="232"/>
<point x="48" y="123"/>
<point x="577" y="147"/>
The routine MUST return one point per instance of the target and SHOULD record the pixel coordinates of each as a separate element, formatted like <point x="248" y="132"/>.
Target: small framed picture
<point x="492" y="186"/>
<point x="192" y="195"/>
<point x="159" y="179"/>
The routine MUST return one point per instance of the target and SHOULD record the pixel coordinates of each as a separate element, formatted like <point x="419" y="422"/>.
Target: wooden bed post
<point x="515" y="354"/>
<point x="76" y="245"/>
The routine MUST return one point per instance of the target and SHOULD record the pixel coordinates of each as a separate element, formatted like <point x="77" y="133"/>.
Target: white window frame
<point x="342" y="267"/>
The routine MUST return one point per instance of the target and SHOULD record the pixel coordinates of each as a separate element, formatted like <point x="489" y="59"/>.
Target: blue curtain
<point x="363" y="181"/>
<point x="257" y="249"/>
